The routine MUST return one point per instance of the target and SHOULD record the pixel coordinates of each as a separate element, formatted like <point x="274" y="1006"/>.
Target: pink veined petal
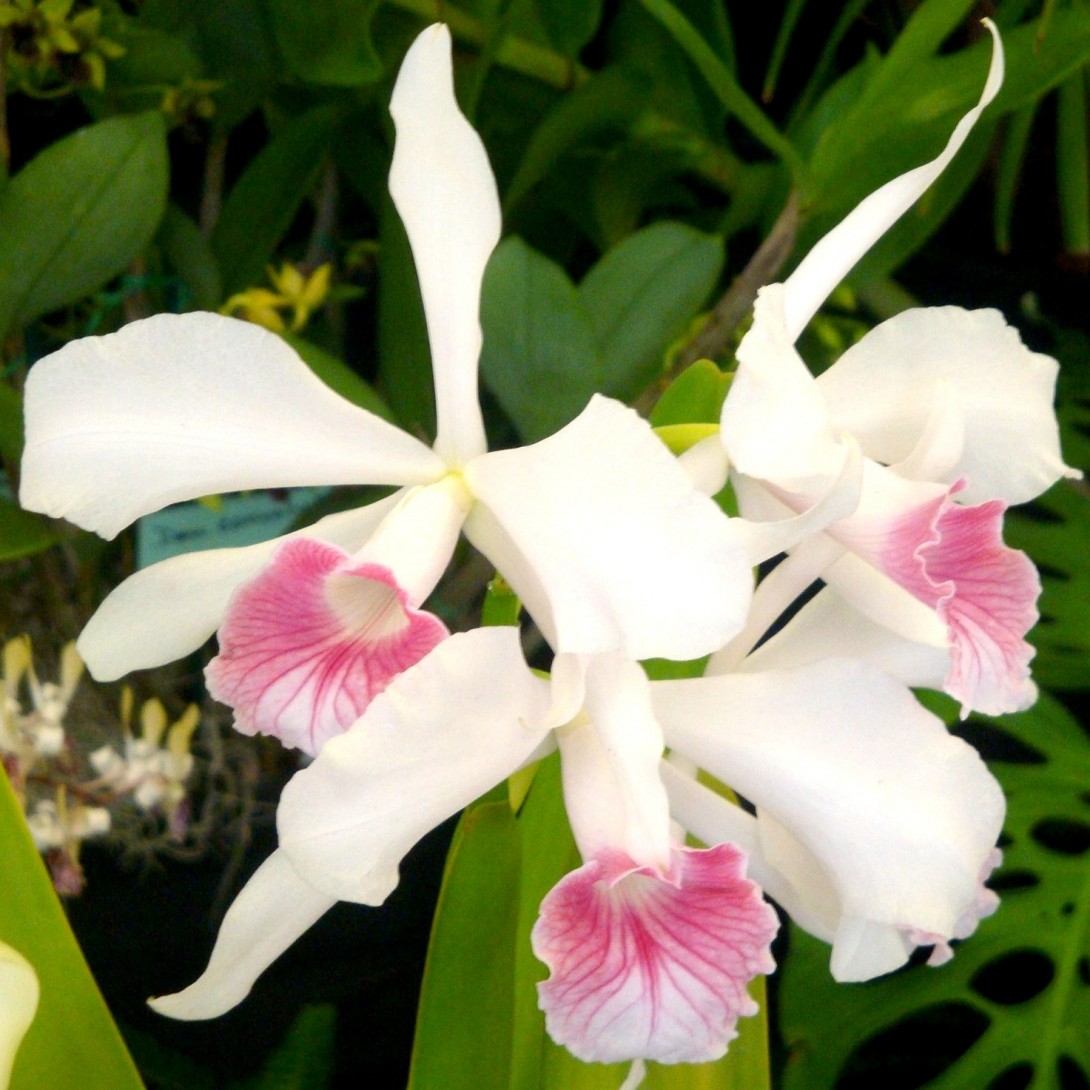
<point x="309" y="643"/>
<point x="446" y="196"/>
<point x="163" y="612"/>
<point x="647" y="966"/>
<point x="953" y="559"/>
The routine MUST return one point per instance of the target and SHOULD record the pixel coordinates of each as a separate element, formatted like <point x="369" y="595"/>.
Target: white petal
<point x="444" y="732"/>
<point x="417" y="539"/>
<point x="827" y="627"/>
<point x="833" y="257"/>
<point x="899" y="814"/>
<point x="807" y="895"/>
<point x="881" y="390"/>
<point x="165" y="611"/>
<point x="774" y="422"/>
<point x="179" y="406"/>
<point x="274" y="908"/>
<point x="770" y="528"/>
<point x="610" y="760"/>
<point x="608" y="543"/>
<point x="706" y="464"/>
<point x="18" y="1004"/>
<point x="443" y="188"/>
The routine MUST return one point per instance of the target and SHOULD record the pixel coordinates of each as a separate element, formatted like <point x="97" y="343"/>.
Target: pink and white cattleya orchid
<point x="650" y="944"/>
<point x="874" y="827"/>
<point x="596" y="528"/>
<point x="954" y="418"/>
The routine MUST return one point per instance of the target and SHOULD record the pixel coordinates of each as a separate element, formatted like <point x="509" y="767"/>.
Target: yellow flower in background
<point x="302" y="294"/>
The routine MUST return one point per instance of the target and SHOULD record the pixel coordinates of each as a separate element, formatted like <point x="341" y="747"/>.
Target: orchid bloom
<point x="650" y="944"/>
<point x="875" y="828"/>
<point x="597" y="529"/>
<point x="954" y="418"/>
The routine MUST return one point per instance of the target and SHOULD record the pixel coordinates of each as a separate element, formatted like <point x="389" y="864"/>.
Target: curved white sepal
<point x="179" y="406"/>
<point x="444" y="190"/>
<point x="19" y="994"/>
<point x="445" y="731"/>
<point x="835" y="255"/>
<point x="274" y="908"/>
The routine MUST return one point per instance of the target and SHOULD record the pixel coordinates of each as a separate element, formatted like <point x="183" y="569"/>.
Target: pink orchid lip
<point x="953" y="559"/>
<point x="311" y="640"/>
<point x="652" y="966"/>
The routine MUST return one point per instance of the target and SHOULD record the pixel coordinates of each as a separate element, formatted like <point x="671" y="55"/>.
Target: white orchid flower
<point x="18" y="1005"/>
<point x="650" y="944"/>
<point x="875" y="828"/>
<point x="954" y="418"/>
<point x="596" y="528"/>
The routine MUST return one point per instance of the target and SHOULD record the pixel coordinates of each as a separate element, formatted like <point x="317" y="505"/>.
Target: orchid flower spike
<point x="953" y="417"/>
<point x="597" y="529"/>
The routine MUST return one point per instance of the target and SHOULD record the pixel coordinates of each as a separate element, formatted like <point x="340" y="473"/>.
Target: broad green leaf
<point x="73" y="1043"/>
<point x="463" y="1027"/>
<point x="537" y="337"/>
<point x="22" y="533"/>
<point x="263" y="202"/>
<point x="78" y="213"/>
<point x="1017" y="995"/>
<point x="641" y="295"/>
<point x="153" y="60"/>
<point x="189" y="254"/>
<point x="609" y="102"/>
<point x="609" y="334"/>
<point x="327" y="41"/>
<point x="338" y="376"/>
<point x="569" y="24"/>
<point x="696" y="396"/>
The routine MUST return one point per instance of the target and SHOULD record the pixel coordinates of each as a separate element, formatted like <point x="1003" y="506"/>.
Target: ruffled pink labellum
<point x="953" y="559"/>
<point x="650" y="966"/>
<point x="309" y="642"/>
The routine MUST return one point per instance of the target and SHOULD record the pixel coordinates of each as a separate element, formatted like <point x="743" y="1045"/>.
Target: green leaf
<point x="11" y="423"/>
<point x="304" y="1060"/>
<point x="404" y="355"/>
<point x="537" y="336"/>
<point x="569" y="24"/>
<point x="78" y="213"/>
<point x="608" y="102"/>
<point x="22" y="533"/>
<point x="1017" y="995"/>
<point x="641" y="295"/>
<point x="339" y="377"/>
<point x="696" y="396"/>
<point x="327" y="41"/>
<point x="1011" y="158"/>
<point x="608" y="335"/>
<point x="464" y="1020"/>
<point x="725" y="86"/>
<point x="263" y="202"/>
<point x="191" y="257"/>
<point x="73" y="1043"/>
<point x="1073" y="164"/>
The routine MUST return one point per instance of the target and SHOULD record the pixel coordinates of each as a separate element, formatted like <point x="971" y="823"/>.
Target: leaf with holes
<point x="1055" y="531"/>
<point x="1011" y="1010"/>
